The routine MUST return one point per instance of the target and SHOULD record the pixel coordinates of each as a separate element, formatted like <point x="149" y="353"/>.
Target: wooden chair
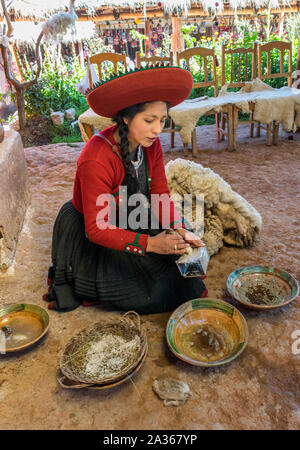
<point x="238" y="51"/>
<point x="238" y="77"/>
<point x="207" y="60"/>
<point x="268" y="48"/>
<point x="98" y="59"/>
<point x="204" y="53"/>
<point x="282" y="47"/>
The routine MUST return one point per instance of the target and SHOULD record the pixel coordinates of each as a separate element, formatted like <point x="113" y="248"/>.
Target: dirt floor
<point x="259" y="390"/>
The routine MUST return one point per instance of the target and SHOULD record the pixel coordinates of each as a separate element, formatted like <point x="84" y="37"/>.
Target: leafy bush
<point x="65" y="133"/>
<point x="56" y="89"/>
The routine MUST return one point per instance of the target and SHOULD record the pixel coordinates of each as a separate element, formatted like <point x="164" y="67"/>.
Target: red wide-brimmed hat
<point x="165" y="83"/>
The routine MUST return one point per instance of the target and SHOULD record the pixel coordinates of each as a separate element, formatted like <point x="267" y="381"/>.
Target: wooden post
<point x="177" y="39"/>
<point x="259" y="68"/>
<point x="15" y="62"/>
<point x="8" y="69"/>
<point x="21" y="108"/>
<point x="148" y="40"/>
<point x="254" y="63"/>
<point x="296" y="83"/>
<point x="280" y="23"/>
<point x="223" y="64"/>
<point x="80" y="53"/>
<point x="290" y="80"/>
<point x="298" y="57"/>
<point x="268" y="19"/>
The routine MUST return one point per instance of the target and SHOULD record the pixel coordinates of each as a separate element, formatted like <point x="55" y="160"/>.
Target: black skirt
<point x="82" y="270"/>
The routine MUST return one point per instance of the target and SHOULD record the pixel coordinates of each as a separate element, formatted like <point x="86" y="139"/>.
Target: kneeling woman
<point x="97" y="256"/>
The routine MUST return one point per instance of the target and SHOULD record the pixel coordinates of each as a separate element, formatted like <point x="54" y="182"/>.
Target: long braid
<point x="133" y="184"/>
<point x="123" y="133"/>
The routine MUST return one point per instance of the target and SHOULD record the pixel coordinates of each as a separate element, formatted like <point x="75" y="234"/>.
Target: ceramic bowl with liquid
<point x="207" y="332"/>
<point x="262" y="287"/>
<point x="21" y="325"/>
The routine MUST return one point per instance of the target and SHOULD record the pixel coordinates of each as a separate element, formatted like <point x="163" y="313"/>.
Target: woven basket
<point x="69" y="384"/>
<point x="74" y="358"/>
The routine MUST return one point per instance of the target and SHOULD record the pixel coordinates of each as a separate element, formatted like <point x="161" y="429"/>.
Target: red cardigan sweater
<point x="101" y="171"/>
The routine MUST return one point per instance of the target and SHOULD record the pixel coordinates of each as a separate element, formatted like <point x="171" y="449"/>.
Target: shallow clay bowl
<point x="282" y="286"/>
<point x="21" y="325"/>
<point x="203" y="313"/>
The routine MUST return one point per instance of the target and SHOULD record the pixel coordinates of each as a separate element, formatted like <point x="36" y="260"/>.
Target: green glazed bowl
<point x="207" y="332"/>
<point x="275" y="287"/>
<point x="21" y="325"/>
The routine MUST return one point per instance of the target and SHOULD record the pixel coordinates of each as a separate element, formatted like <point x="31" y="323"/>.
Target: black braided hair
<point x="129" y="113"/>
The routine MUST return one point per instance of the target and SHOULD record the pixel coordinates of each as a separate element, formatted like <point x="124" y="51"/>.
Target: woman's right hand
<point x="167" y="244"/>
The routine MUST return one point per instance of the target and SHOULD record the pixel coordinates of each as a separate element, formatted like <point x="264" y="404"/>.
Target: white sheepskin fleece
<point x="270" y="104"/>
<point x="228" y="217"/>
<point x="93" y="120"/>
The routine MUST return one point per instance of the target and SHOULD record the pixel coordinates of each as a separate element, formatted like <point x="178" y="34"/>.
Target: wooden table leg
<point x="269" y="129"/>
<point x="232" y="121"/>
<point x="194" y="143"/>
<point x="251" y="125"/>
<point x="258" y="129"/>
<point x="223" y="124"/>
<point x="275" y="133"/>
<point x="88" y="130"/>
<point x="219" y="133"/>
<point x="172" y="133"/>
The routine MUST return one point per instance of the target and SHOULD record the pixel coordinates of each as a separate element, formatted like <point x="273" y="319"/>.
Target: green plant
<point x="65" y="133"/>
<point x="10" y="119"/>
<point x="188" y="39"/>
<point x="56" y="89"/>
<point x="166" y="44"/>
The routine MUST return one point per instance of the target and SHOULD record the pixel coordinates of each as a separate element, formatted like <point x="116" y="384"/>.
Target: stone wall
<point x="14" y="195"/>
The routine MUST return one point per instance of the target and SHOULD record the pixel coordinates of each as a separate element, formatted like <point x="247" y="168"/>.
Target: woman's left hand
<point x="190" y="238"/>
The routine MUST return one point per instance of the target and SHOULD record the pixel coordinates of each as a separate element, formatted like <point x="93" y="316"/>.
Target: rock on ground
<point x="14" y="195"/>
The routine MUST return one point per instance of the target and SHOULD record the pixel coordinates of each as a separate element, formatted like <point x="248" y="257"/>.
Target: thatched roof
<point x="44" y="8"/>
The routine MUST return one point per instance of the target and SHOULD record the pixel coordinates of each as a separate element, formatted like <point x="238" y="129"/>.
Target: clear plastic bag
<point x="194" y="264"/>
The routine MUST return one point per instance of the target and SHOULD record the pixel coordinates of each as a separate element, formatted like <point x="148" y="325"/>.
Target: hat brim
<point x="169" y="84"/>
